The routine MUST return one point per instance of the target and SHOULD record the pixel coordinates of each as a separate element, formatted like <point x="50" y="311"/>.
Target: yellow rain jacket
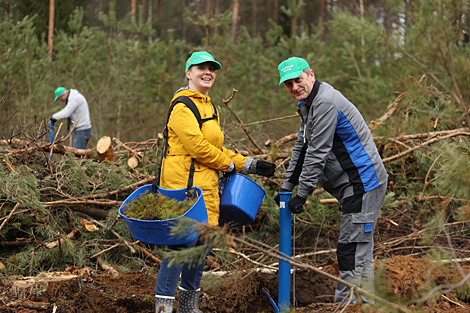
<point x="187" y="141"/>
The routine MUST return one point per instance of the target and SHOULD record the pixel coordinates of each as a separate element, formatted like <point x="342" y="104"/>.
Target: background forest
<point x="127" y="57"/>
<point x="410" y="58"/>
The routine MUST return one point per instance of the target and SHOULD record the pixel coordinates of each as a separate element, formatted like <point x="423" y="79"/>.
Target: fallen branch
<point x="111" y="270"/>
<point x="105" y="250"/>
<point x="9" y="215"/>
<point x="149" y="254"/>
<point x="30" y="305"/>
<point x="127" y="148"/>
<point x="393" y="107"/>
<point x="424" y="144"/>
<point x="241" y="122"/>
<point x="70" y="235"/>
<point x="273" y="119"/>
<point x="75" y="202"/>
<point x="127" y="243"/>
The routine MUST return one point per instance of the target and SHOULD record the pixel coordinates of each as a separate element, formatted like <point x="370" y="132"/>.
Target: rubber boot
<point x="164" y="304"/>
<point x="187" y="301"/>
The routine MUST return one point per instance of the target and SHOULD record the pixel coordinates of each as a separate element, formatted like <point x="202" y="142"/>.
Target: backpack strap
<point x="190" y="104"/>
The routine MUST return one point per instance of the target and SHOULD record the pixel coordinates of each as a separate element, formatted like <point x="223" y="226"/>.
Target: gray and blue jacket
<point x="76" y="108"/>
<point x="334" y="148"/>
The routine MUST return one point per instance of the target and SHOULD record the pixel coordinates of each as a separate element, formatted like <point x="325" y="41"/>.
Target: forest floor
<point x="402" y="277"/>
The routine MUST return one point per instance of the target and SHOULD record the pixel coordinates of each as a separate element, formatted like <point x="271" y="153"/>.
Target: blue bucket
<point x="240" y="201"/>
<point x="159" y="232"/>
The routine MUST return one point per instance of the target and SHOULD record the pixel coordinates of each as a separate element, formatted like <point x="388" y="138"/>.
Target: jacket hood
<point x="185" y="91"/>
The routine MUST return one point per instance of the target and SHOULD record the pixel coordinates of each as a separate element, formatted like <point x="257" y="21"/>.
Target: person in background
<point x="76" y="108"/>
<point x="189" y="144"/>
<point x="335" y="148"/>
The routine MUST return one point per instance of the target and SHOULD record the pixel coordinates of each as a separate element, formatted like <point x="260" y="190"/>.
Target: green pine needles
<point x="151" y="206"/>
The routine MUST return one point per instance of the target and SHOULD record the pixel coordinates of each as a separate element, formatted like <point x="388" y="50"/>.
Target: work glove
<point x="277" y="198"/>
<point x="264" y="168"/>
<point x="52" y="120"/>
<point x="231" y="170"/>
<point x="296" y="204"/>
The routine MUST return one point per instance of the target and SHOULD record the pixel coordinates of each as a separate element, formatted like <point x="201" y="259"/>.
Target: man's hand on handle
<point x="296" y="204"/>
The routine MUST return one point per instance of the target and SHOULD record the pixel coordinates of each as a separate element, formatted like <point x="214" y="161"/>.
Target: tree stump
<point x="104" y="147"/>
<point x="44" y="287"/>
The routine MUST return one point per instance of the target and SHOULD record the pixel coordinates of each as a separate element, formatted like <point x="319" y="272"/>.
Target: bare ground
<point x="398" y="279"/>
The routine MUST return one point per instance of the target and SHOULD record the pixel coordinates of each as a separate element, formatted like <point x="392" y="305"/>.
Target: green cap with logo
<point x="202" y="57"/>
<point x="291" y="68"/>
<point x="58" y="91"/>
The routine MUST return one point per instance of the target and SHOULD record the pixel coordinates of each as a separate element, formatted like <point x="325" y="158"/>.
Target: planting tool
<point x="285" y="235"/>
<point x="276" y="308"/>
<point x="51" y="136"/>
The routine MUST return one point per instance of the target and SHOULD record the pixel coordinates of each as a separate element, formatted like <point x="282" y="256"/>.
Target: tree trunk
<point x="51" y="28"/>
<point x="276" y="12"/>
<point x="160" y="19"/>
<point x="233" y="32"/>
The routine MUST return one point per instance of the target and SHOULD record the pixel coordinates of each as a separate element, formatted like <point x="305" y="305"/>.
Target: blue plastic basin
<point x="240" y="201"/>
<point x="158" y="231"/>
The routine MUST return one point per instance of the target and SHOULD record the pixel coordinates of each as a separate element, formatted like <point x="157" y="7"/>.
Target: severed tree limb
<point x="74" y="202"/>
<point x="286" y="139"/>
<point x="60" y="149"/>
<point x="9" y="215"/>
<point x="149" y="254"/>
<point x="105" y="250"/>
<point x="273" y="119"/>
<point x="70" y="235"/>
<point x="41" y="306"/>
<point x="424" y="144"/>
<point x="392" y="109"/>
<point x="111" y="270"/>
<point x="241" y="122"/>
<point x="127" y="148"/>
<point x="430" y="134"/>
<point x="121" y="190"/>
<point x="127" y="243"/>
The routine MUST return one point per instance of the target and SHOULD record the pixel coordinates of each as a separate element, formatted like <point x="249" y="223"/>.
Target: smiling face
<point x="201" y="77"/>
<point x="300" y="87"/>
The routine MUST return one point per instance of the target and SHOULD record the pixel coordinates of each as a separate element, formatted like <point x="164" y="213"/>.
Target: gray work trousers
<point x="359" y="215"/>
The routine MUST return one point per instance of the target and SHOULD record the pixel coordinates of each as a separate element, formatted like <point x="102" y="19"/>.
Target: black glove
<point x="231" y="170"/>
<point x="277" y="198"/>
<point x="265" y="168"/>
<point x="296" y="204"/>
<point x="52" y="120"/>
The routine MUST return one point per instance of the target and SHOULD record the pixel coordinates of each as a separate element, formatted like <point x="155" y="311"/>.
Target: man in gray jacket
<point x="335" y="148"/>
<point x="76" y="108"/>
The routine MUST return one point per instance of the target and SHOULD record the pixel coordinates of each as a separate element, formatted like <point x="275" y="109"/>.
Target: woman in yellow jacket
<point x="187" y="141"/>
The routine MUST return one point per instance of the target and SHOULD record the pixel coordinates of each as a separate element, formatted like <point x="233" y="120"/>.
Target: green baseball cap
<point x="58" y="91"/>
<point x="291" y="68"/>
<point x="202" y="57"/>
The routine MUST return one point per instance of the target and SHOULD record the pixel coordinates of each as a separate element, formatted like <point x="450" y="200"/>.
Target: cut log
<point x="104" y="147"/>
<point x="46" y="285"/>
<point x="132" y="162"/>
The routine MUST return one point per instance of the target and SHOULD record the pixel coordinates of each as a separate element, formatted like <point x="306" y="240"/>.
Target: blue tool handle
<point x="51" y="135"/>
<point x="51" y="131"/>
<point x="285" y="237"/>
